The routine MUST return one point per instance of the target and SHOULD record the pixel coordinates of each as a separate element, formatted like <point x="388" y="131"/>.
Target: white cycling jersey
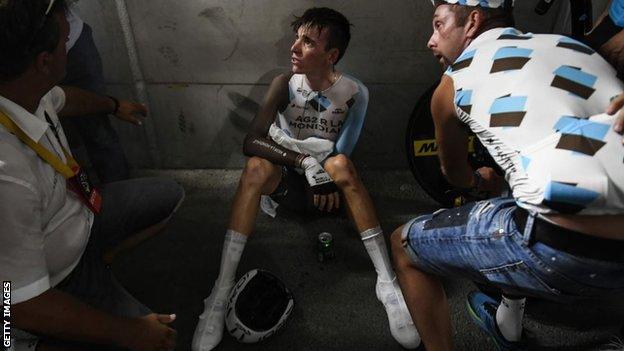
<point x="536" y="102"/>
<point x="336" y="114"/>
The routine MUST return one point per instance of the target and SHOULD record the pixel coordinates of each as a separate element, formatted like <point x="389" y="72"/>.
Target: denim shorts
<point x="481" y="242"/>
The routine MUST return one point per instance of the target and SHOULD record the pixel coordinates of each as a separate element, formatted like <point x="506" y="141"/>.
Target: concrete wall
<point x="206" y="65"/>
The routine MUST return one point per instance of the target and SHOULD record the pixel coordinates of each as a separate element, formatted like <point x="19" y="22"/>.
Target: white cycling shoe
<point x="402" y="327"/>
<point x="209" y="330"/>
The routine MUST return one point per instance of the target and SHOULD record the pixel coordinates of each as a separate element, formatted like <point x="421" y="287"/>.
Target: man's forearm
<point x="60" y="315"/>
<point x="271" y="151"/>
<point x="459" y="175"/>
<point x="79" y="102"/>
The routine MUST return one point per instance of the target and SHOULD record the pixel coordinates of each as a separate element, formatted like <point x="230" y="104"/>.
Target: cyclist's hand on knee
<point x="320" y="181"/>
<point x="328" y="202"/>
<point x="150" y="333"/>
<point x="326" y="197"/>
<point x="616" y="107"/>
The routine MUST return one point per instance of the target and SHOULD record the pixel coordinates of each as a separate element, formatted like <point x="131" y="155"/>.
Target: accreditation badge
<point x="88" y="194"/>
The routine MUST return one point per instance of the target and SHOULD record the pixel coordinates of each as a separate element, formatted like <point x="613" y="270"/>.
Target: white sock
<point x="375" y="245"/>
<point x="509" y="318"/>
<point x="230" y="256"/>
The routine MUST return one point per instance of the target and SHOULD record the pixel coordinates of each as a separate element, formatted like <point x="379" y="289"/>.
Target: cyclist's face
<point x="448" y="39"/>
<point x="308" y="52"/>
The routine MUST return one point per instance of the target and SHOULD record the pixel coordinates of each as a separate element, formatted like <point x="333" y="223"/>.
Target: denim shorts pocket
<point x="520" y="279"/>
<point x="481" y="209"/>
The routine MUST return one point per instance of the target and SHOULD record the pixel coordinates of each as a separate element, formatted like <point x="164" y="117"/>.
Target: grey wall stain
<point x="169" y="26"/>
<point x="213" y="12"/>
<point x="170" y="55"/>
<point x="224" y="24"/>
<point x="233" y="50"/>
<point x="182" y="122"/>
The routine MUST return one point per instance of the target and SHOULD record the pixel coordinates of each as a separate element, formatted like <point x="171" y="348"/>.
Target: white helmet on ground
<point x="258" y="306"/>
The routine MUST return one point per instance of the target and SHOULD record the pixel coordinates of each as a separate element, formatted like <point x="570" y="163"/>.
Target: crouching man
<point x="536" y="102"/>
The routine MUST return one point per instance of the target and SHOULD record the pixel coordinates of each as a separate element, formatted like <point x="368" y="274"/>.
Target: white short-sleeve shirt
<point x="45" y="227"/>
<point x="536" y="102"/>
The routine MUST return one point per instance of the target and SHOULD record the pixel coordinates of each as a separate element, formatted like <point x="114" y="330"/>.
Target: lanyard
<point x="77" y="179"/>
<point x="67" y="170"/>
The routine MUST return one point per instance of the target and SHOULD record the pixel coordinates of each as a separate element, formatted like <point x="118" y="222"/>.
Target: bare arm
<point x="257" y="142"/>
<point x="452" y="140"/>
<point x="59" y="315"/>
<point x="451" y="137"/>
<point x="79" y="102"/>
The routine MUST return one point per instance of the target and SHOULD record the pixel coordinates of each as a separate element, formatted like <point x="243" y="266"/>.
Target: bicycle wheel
<point x="422" y="156"/>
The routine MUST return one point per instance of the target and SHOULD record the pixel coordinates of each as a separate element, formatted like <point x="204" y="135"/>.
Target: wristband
<point x="299" y="160"/>
<point x="116" y="104"/>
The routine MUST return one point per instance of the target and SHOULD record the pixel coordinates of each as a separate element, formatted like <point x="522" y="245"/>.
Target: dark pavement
<point x="336" y="307"/>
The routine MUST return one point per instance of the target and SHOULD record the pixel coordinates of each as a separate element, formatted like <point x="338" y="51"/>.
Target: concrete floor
<point x="336" y="307"/>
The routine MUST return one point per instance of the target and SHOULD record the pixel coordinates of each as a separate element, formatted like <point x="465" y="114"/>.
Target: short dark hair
<point x="25" y="32"/>
<point x="337" y="24"/>
<point x="492" y="18"/>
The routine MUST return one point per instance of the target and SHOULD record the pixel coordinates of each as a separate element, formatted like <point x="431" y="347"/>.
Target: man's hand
<point x="150" y="333"/>
<point x="129" y="112"/>
<point x="325" y="192"/>
<point x="615" y="106"/>
<point x="491" y="183"/>
<point x="327" y="203"/>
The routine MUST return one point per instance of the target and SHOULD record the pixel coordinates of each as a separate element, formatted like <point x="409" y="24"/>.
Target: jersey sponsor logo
<point x="316" y="123"/>
<point x="429" y="147"/>
<point x="575" y="81"/>
<point x="569" y="43"/>
<point x="338" y="111"/>
<point x="320" y="103"/>
<point x="270" y="147"/>
<point x="508" y="111"/>
<point x="303" y="92"/>
<point x="510" y="58"/>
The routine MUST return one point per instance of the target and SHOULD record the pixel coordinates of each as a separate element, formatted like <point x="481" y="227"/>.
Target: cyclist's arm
<point x="257" y="142"/>
<point x="352" y="128"/>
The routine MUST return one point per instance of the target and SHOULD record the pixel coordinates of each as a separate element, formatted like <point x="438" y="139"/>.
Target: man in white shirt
<point x="58" y="234"/>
